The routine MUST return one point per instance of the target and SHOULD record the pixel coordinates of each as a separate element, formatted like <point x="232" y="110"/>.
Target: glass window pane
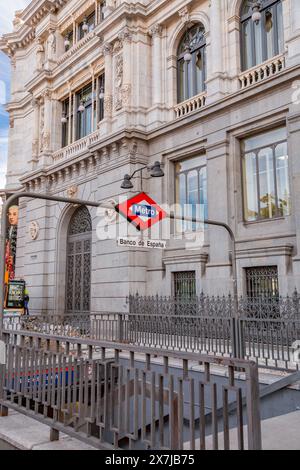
<point x="88" y="119"/>
<point x="283" y="186"/>
<point x="199" y="69"/>
<point x="191" y="190"/>
<point x="190" y="163"/>
<point x="250" y="187"/>
<point x="181" y="81"/>
<point x="280" y="28"/>
<point x="264" y="139"/>
<point x="269" y="31"/>
<point x="247" y="45"/>
<point x="266" y="184"/>
<point x="203" y="193"/>
<point x="257" y="29"/>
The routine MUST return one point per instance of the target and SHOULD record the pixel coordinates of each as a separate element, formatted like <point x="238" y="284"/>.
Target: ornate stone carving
<point x="156" y="30"/>
<point x="46" y="140"/>
<point x="125" y="35"/>
<point x="72" y="192"/>
<point x="118" y="81"/>
<point x="107" y="49"/>
<point x="42" y="127"/>
<point x="117" y="47"/>
<point x="40" y="55"/>
<point x="51" y="45"/>
<point x="108" y="105"/>
<point x="35" y="148"/>
<point x="126" y="94"/>
<point x="184" y="15"/>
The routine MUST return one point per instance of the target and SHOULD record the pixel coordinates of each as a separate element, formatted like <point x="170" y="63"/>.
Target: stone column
<point x="48" y="105"/>
<point x="45" y="130"/>
<point x="293" y="120"/>
<point x="156" y="33"/>
<point x="215" y="67"/>
<point x="35" y="134"/>
<point x="126" y="38"/>
<point x="293" y="41"/>
<point x="216" y="37"/>
<point x="218" y="270"/>
<point x="70" y="120"/>
<point x="108" y="98"/>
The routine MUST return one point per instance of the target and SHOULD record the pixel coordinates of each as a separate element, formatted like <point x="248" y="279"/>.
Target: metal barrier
<point x="266" y="332"/>
<point x="119" y="396"/>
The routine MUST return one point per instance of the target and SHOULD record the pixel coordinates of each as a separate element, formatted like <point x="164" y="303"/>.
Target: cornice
<point x="26" y="22"/>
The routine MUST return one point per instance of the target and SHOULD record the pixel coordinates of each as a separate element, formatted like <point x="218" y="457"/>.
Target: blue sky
<point x="6" y="16"/>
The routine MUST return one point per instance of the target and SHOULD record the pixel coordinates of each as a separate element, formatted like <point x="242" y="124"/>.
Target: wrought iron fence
<point x="265" y="332"/>
<point x="125" y="397"/>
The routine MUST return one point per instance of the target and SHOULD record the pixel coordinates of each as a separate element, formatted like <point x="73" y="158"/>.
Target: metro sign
<point x="141" y="211"/>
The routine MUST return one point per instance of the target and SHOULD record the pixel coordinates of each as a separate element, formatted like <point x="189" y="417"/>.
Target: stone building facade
<point x="209" y="88"/>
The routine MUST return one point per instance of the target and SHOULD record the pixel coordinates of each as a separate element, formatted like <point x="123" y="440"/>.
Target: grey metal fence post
<point x="120" y="327"/>
<point x="253" y="407"/>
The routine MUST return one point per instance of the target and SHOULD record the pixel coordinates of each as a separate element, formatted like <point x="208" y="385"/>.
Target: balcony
<point x="76" y="47"/>
<point x="76" y="148"/>
<point x="262" y="72"/>
<point x="190" y="105"/>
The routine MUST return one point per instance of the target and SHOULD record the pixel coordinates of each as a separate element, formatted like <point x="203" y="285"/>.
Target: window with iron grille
<point x="184" y="284"/>
<point x="262" y="283"/>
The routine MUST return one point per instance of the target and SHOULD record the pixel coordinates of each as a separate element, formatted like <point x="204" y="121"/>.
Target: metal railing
<point x="273" y="342"/>
<point x="119" y="396"/>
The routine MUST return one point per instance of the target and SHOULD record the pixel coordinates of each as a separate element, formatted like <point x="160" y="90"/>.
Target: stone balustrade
<point x="262" y="72"/>
<point x="76" y="148"/>
<point x="76" y="47"/>
<point x="190" y="105"/>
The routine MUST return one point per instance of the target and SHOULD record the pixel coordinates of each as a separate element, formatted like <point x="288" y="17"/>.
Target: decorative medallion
<point x="72" y="191"/>
<point x="34" y="230"/>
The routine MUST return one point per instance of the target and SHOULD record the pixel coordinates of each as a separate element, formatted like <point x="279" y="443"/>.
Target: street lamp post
<point x="155" y="172"/>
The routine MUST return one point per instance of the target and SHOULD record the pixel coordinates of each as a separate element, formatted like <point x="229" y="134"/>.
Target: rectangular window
<point x="101" y="97"/>
<point x="191" y="191"/>
<point x="87" y="25"/>
<point x="84" y="112"/>
<point x="266" y="176"/>
<point x="184" y="284"/>
<point x="262" y="282"/>
<point x="67" y="127"/>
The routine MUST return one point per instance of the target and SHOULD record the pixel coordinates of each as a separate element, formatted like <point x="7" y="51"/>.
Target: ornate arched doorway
<point x="78" y="273"/>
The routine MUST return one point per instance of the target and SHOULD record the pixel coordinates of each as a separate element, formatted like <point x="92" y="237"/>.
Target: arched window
<point x="191" y="74"/>
<point x="261" y="40"/>
<point x="79" y="251"/>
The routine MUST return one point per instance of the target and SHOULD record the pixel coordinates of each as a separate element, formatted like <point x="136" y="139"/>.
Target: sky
<point x="6" y="16"/>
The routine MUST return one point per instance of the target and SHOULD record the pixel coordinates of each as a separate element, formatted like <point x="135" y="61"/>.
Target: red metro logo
<point x="141" y="211"/>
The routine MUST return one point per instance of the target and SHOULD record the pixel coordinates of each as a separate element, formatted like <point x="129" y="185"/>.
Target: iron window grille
<point x="184" y="285"/>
